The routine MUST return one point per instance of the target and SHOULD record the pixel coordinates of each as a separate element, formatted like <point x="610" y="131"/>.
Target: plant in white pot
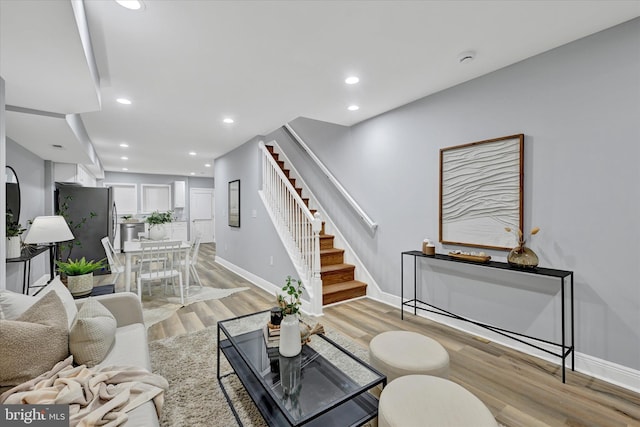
<point x="289" y="303"/>
<point x="14" y="230"/>
<point x="156" y="223"/>
<point x="79" y="274"/>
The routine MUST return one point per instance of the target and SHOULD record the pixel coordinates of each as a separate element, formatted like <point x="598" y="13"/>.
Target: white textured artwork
<point x="481" y="192"/>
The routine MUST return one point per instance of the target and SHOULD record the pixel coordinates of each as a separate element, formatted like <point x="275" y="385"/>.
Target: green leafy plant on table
<point x="80" y="266"/>
<point x="13" y="228"/>
<point x="157" y="218"/>
<point x="290" y="302"/>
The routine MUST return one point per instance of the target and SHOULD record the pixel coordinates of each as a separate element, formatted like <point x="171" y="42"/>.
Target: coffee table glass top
<point x="321" y="378"/>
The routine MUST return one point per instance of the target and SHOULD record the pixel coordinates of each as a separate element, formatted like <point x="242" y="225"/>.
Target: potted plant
<point x="289" y="303"/>
<point x="156" y="223"/>
<point x="14" y="230"/>
<point x="79" y="274"/>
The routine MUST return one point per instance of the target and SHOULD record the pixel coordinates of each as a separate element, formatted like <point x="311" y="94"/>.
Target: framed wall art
<point x="481" y="186"/>
<point x="234" y="203"/>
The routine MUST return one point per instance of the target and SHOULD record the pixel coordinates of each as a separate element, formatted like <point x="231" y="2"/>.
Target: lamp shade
<point x="48" y="229"/>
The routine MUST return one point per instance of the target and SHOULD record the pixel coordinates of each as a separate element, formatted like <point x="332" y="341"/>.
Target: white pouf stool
<point x="427" y="401"/>
<point x="398" y="353"/>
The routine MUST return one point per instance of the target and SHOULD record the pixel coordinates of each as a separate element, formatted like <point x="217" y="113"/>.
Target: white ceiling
<point x="188" y="64"/>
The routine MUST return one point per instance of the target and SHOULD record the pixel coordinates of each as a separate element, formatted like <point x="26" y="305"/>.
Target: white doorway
<point x="201" y="204"/>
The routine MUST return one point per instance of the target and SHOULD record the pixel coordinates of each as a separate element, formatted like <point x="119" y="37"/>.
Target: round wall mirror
<point x="13" y="194"/>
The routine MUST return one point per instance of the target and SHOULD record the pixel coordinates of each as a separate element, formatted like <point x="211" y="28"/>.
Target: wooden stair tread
<point x="336" y="267"/>
<point x="331" y="251"/>
<point x="343" y="286"/>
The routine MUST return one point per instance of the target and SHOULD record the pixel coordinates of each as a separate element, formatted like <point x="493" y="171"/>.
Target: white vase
<point x="157" y="232"/>
<point x="14" y="247"/>
<point x="80" y="285"/>
<point x="290" y="343"/>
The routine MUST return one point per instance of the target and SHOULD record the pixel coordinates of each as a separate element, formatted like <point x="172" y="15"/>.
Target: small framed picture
<point x="234" y="203"/>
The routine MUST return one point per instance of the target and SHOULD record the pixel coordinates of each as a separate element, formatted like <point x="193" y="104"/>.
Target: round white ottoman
<point x="399" y="353"/>
<point x="427" y="401"/>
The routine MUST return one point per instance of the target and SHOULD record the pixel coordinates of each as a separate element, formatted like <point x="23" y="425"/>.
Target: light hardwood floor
<point x="520" y="390"/>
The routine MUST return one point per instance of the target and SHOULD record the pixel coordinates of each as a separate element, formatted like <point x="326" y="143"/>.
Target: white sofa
<point x="130" y="345"/>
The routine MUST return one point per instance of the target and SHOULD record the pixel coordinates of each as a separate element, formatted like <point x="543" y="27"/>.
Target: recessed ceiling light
<point x="351" y="80"/>
<point x="192" y="153"/>
<point x="193" y="173"/>
<point x="228" y="120"/>
<point x="130" y="4"/>
<point x="124" y="158"/>
<point x="353" y="108"/>
<point x="125" y="169"/>
<point x="207" y="165"/>
<point x="124" y="145"/>
<point x="123" y="101"/>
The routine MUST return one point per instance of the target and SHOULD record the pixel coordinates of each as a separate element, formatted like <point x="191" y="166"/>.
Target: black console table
<point x="564" y="347"/>
<point x="27" y="254"/>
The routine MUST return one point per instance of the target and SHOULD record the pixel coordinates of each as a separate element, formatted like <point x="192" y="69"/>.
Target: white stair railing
<point x="296" y="226"/>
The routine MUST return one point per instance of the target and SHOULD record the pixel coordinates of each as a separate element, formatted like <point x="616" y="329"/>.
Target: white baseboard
<point x="258" y="281"/>
<point x="599" y="368"/>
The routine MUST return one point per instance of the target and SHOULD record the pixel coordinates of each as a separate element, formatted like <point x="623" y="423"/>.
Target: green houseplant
<point x="289" y="303"/>
<point x="14" y="230"/>
<point x="156" y="223"/>
<point x="79" y="274"/>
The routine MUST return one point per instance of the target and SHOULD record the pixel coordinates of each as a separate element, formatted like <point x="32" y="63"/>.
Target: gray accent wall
<point x="254" y="244"/>
<point x="578" y="107"/>
<point x="31" y="175"/>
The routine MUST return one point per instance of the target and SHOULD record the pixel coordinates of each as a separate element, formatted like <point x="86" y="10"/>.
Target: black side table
<point x="27" y="254"/>
<point x="98" y="290"/>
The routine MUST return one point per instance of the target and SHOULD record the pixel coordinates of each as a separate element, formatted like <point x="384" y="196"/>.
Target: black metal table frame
<point x="248" y="365"/>
<point x="26" y="255"/>
<point x="560" y="274"/>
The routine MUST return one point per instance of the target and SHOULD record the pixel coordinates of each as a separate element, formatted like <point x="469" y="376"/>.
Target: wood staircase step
<point x="326" y="241"/>
<point x="336" y="273"/>
<point x="331" y="256"/>
<point x="270" y="148"/>
<point x="343" y="291"/>
<point x="286" y="172"/>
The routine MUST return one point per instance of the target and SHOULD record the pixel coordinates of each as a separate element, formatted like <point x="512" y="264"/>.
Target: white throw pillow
<point x="65" y="296"/>
<point x="92" y="333"/>
<point x="13" y="304"/>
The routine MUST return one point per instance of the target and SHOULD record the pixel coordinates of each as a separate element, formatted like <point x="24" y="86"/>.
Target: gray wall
<point x="31" y="175"/>
<point x="251" y="246"/>
<point x="578" y="106"/>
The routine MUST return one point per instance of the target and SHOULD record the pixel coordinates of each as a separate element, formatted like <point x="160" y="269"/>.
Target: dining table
<point x="133" y="248"/>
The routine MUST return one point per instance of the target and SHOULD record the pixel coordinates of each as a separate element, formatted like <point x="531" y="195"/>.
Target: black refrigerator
<point x="91" y="214"/>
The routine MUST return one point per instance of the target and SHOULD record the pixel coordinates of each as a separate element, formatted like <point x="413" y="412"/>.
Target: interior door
<point x="201" y="203"/>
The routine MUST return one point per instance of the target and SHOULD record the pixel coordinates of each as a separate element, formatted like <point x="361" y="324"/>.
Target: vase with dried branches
<point x="522" y="256"/>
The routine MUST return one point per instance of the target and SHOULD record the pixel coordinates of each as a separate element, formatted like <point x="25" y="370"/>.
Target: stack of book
<point x="271" y="336"/>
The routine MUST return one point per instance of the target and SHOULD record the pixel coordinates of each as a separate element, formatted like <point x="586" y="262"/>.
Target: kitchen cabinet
<point x="176" y="230"/>
<point x="73" y="173"/>
<point x="179" y="194"/>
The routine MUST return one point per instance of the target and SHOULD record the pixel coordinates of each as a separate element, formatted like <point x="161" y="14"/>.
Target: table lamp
<point x="49" y="230"/>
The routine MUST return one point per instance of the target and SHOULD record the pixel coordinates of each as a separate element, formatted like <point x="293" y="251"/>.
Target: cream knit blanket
<point x="96" y="397"/>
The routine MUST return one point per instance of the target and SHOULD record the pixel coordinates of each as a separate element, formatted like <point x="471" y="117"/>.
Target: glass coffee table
<point x="325" y="385"/>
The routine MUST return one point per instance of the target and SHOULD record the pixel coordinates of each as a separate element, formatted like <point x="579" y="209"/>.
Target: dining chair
<point x="115" y="265"/>
<point x="161" y="260"/>
<point x="193" y="262"/>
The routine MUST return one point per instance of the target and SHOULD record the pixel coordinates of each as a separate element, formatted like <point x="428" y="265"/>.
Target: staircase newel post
<point x="316" y="280"/>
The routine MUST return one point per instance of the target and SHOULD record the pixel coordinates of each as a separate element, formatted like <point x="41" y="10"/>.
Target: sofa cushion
<point x="92" y="334"/>
<point x="13" y="304"/>
<point x="130" y="348"/>
<point x="34" y="342"/>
